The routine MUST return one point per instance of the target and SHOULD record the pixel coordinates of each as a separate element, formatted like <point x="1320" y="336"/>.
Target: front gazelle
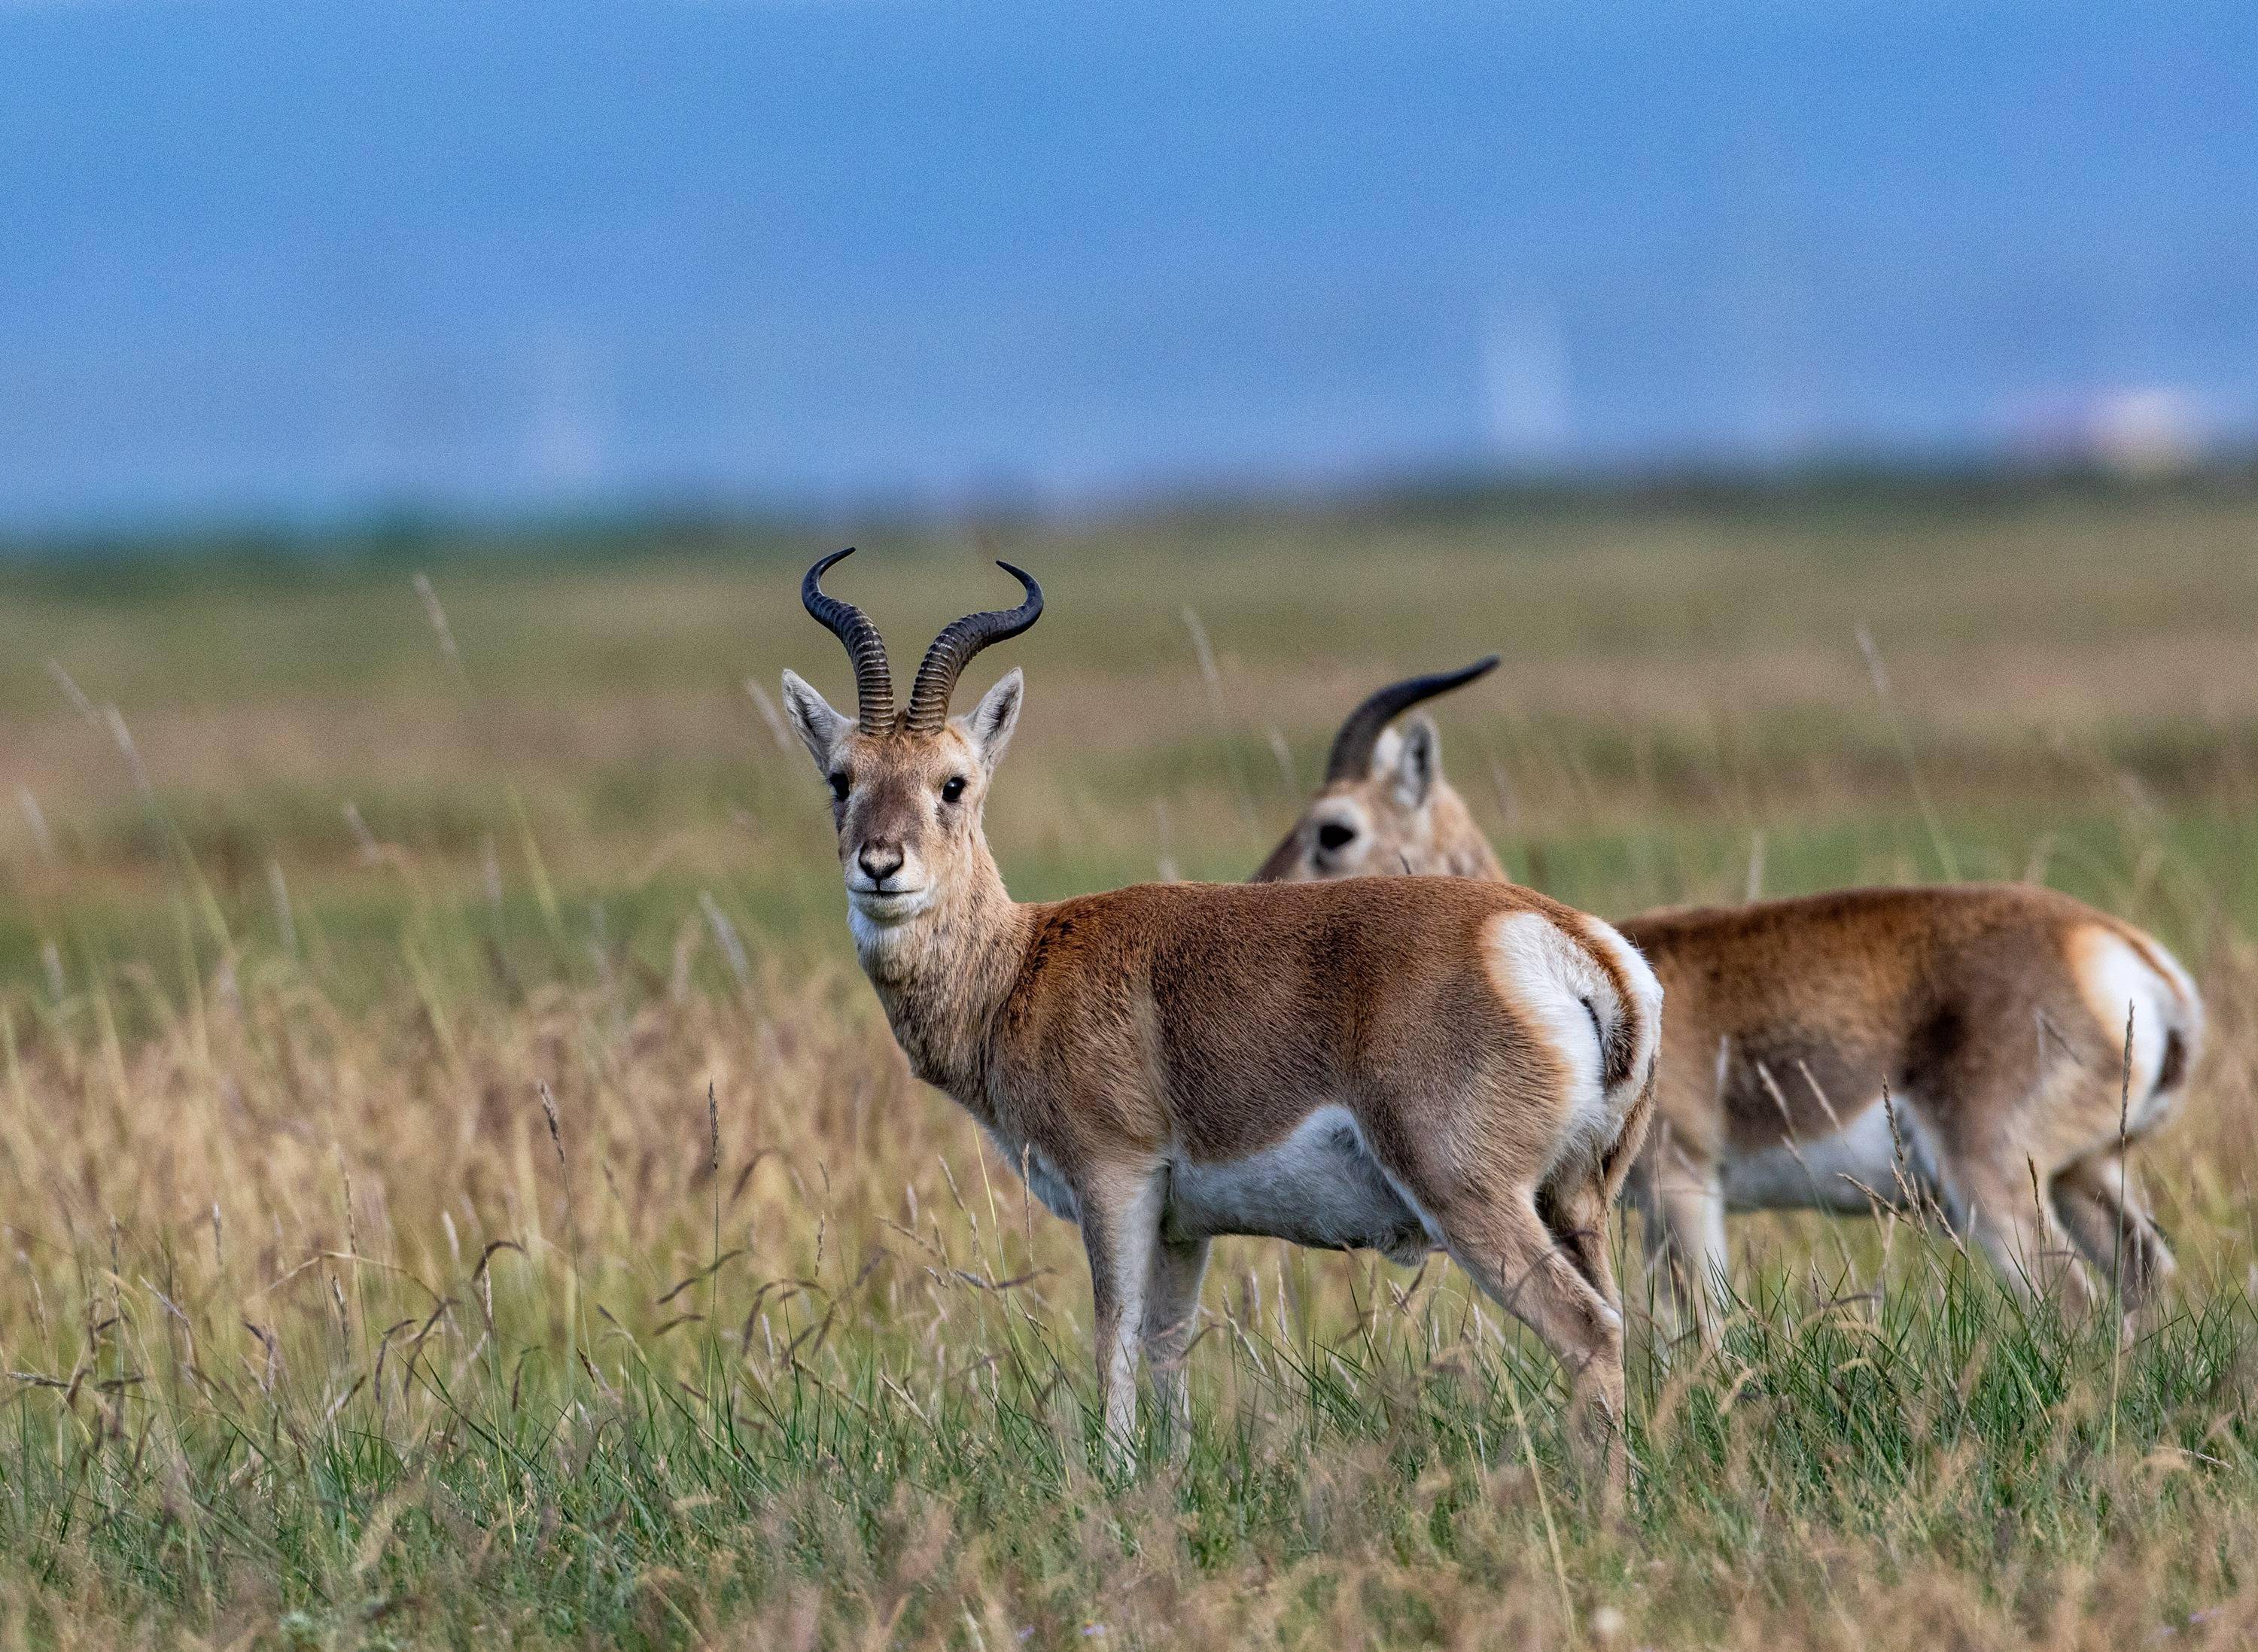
<point x="1397" y="1064"/>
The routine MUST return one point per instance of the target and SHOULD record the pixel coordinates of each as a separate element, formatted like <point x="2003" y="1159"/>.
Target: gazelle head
<point x="907" y="788"/>
<point x="1385" y="807"/>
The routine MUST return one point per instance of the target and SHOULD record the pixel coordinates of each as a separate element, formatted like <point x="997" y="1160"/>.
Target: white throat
<point x="886" y="929"/>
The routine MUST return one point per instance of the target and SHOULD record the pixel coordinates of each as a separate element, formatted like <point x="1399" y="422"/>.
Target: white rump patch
<point x="1548" y="978"/>
<point x="1646" y="994"/>
<point x="2112" y="976"/>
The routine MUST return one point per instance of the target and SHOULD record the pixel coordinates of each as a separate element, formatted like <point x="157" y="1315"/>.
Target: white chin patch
<point x="884" y="911"/>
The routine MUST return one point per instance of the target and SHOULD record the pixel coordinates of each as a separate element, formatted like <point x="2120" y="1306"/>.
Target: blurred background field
<point x="1687" y="711"/>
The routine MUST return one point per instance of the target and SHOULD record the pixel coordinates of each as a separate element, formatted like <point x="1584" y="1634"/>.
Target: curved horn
<point x="1352" y="753"/>
<point x="954" y="648"/>
<point x="873" y="678"/>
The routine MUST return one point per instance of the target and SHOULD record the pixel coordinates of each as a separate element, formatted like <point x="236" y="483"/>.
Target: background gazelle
<point x="1995" y="1015"/>
<point x="1392" y="1065"/>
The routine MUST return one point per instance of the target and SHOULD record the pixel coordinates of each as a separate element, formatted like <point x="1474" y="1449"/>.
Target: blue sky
<point x="302" y="260"/>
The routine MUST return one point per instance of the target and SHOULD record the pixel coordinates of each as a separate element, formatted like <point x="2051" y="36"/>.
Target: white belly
<point x="1320" y="1186"/>
<point x="1849" y="1170"/>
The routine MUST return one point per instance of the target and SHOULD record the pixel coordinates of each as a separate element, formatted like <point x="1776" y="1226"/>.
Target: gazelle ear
<point x="819" y="727"/>
<point x="990" y="724"/>
<point x="1417" y="762"/>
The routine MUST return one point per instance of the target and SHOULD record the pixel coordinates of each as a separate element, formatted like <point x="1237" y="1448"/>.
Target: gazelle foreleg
<point x="1121" y="1209"/>
<point x="1683" y="1204"/>
<point x="1171" y="1314"/>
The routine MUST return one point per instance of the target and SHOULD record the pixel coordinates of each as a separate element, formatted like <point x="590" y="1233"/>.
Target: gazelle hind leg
<point x="1575" y="1213"/>
<point x="1516" y="1259"/>
<point x="1999" y="1209"/>
<point x="1576" y="1217"/>
<point x="2101" y="1206"/>
<point x="1577" y="1208"/>
<point x="1171" y="1311"/>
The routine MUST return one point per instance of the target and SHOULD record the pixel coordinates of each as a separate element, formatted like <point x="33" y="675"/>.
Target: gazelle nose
<point x="879" y="860"/>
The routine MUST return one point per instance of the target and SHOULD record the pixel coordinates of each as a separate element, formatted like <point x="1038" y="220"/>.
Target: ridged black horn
<point x="954" y="648"/>
<point x="1352" y="753"/>
<point x="874" y="678"/>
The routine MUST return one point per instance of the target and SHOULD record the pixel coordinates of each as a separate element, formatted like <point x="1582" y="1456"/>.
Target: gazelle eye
<point x="839" y="785"/>
<point x="951" y="789"/>
<point x="1333" y="834"/>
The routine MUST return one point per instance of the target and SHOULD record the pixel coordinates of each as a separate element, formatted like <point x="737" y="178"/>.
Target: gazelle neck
<point x="943" y="974"/>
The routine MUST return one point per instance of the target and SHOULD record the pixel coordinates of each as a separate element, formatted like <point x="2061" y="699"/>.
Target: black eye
<point x="1333" y="834"/>
<point x="839" y="785"/>
<point x="951" y="789"/>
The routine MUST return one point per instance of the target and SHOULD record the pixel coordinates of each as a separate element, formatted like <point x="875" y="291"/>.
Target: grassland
<point x="325" y="1324"/>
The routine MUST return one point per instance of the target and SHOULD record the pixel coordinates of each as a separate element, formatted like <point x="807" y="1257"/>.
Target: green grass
<point x="1391" y="1482"/>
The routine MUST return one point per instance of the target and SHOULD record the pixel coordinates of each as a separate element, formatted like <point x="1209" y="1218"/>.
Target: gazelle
<point x="1994" y="1014"/>
<point x="1397" y="1066"/>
